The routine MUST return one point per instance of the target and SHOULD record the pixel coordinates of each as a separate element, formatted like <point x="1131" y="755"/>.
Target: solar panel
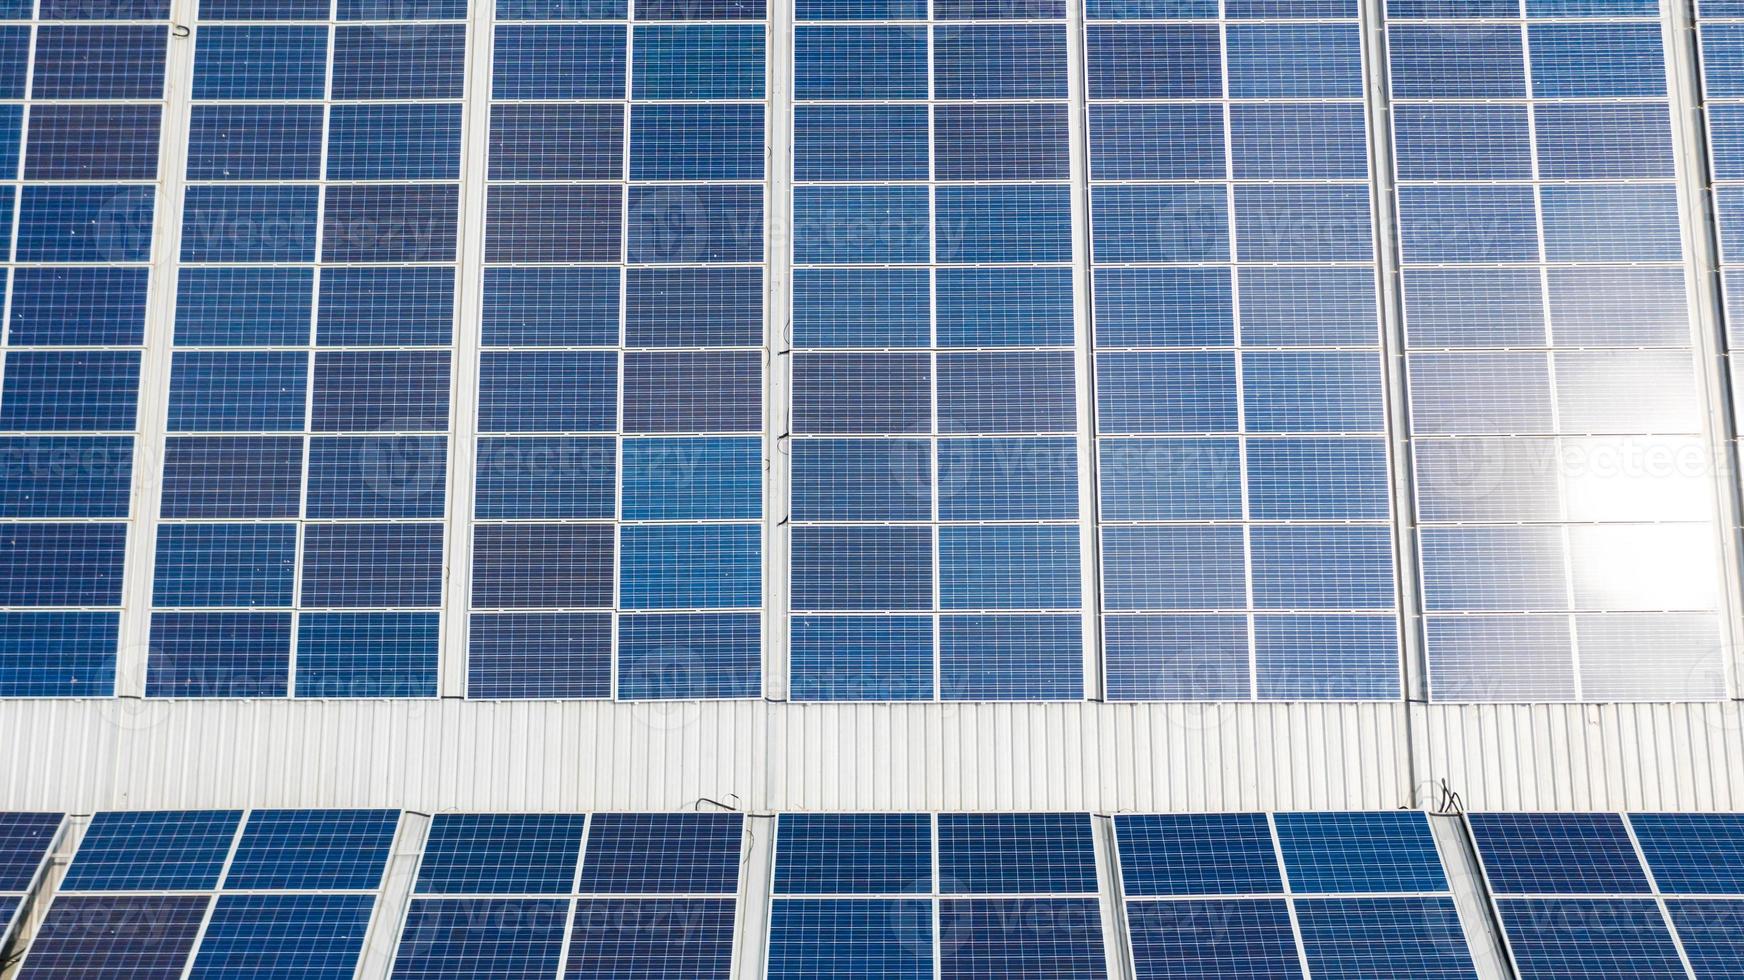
<point x="1235" y="314"/>
<point x="321" y="312"/>
<point x="654" y="895"/>
<point x="932" y="298"/>
<point x="313" y="850"/>
<point x="1692" y="853"/>
<point x="77" y="260"/>
<point x="142" y="937"/>
<point x="1356" y="895"/>
<point x="997" y="853"/>
<point x="315" y="936"/>
<point x="1549" y="207"/>
<point x="153" y="850"/>
<point x="637" y="329"/>
<point x="853" y="854"/>
<point x="1558" y="853"/>
<point x="25" y="842"/>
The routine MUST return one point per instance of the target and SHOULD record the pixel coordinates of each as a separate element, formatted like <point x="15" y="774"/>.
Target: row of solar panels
<point x="309" y="894"/>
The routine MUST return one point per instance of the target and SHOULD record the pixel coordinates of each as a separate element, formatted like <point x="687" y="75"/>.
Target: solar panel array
<point x="305" y="463"/>
<point x="1558" y="452"/>
<point x="1242" y="461"/>
<point x="216" y="894"/>
<point x="935" y="498"/>
<point x="1607" y="895"/>
<point x="1289" y="895"/>
<point x="620" y="458"/>
<point x="916" y="895"/>
<point x="568" y="895"/>
<point x="81" y="105"/>
<point x="1085" y="346"/>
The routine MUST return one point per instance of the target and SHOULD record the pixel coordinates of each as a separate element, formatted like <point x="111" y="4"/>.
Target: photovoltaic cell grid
<point x="1609" y="895"/>
<point x="935" y="545"/>
<point x="620" y="457"/>
<point x="1559" y="466"/>
<point x="81" y="102"/>
<point x="1356" y="895"/>
<point x="1242" y="458"/>
<point x="1012" y="895"/>
<point x="300" y="546"/>
<point x="547" y="895"/>
<point x="218" y="894"/>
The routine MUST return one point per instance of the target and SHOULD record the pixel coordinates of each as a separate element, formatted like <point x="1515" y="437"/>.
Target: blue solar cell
<point x="1355" y="938"/>
<point x="1468" y="224"/>
<point x="61" y="564"/>
<point x="1444" y="62"/>
<point x="861" y="393"/>
<point x="228" y="307"/>
<point x="58" y="654"/>
<point x="152" y="850"/>
<point x="367" y="655"/>
<point x="699" y="62"/>
<point x="1001" y="480"/>
<point x="1320" y="657"/>
<point x="390" y="223"/>
<point x="1027" y="853"/>
<point x="1317" y="479"/>
<point x="861" y="658"/>
<point x="1557" y="853"/>
<point x="692" y="479"/>
<point x="219" y="655"/>
<point x="853" y="854"/>
<point x="1011" y="658"/>
<point x="999" y="937"/>
<point x="460" y="939"/>
<point x="261" y="63"/>
<point x="1303" y="223"/>
<point x="613" y="938"/>
<point x="394" y="142"/>
<point x="84" y="223"/>
<point x="92" y="142"/>
<point x="140" y="937"/>
<point x="831" y="63"/>
<point x="540" y="655"/>
<point x="982" y="142"/>
<point x="695" y="223"/>
<point x="696" y="142"/>
<point x="1004" y="308"/>
<point x="1197" y="854"/>
<point x="1009" y="567"/>
<point x="1320" y="61"/>
<point x="382" y="477"/>
<point x="1596" y="60"/>
<point x="108" y="62"/>
<point x="429" y="63"/>
<point x="1166" y="392"/>
<point x="1312" y="391"/>
<point x="1123" y="62"/>
<point x="1146" y="568"/>
<point x="551" y="306"/>
<point x="1005" y="393"/>
<point x="368" y="565"/>
<point x="837" y="225"/>
<point x="559" y="61"/>
<point x="1299" y="142"/>
<point x="1003" y="223"/>
<point x="862" y="479"/>
<point x="542" y="566"/>
<point x="1194" y="226"/>
<point x="381" y="391"/>
<point x="313" y="849"/>
<point x="1462" y="142"/>
<point x="25" y="839"/>
<point x="862" y="307"/>
<point x="1165" y="308"/>
<point x="860" y="142"/>
<point x="238" y="391"/>
<point x="1179" y="940"/>
<point x="232" y="477"/>
<point x="546" y="478"/>
<point x="246" y="565"/>
<point x="386" y="306"/>
<point x="1611" y="223"/>
<point x="1389" y="851"/>
<point x="1325" y="567"/>
<point x="693" y="391"/>
<point x="1157" y="142"/>
<point x="693" y="307"/>
<point x="65" y="476"/>
<point x="662" y="853"/>
<point x="690" y="566"/>
<point x="1693" y="853"/>
<point x="1000" y="62"/>
<point x="1582" y="938"/>
<point x="891" y="938"/>
<point x="1598" y="140"/>
<point x="683" y="656"/>
<point x="849" y="569"/>
<point x="95" y="306"/>
<point x="556" y="142"/>
<point x="245" y="223"/>
<point x="548" y="391"/>
<point x="1170" y="479"/>
<point x="516" y="853"/>
<point x="316" y="937"/>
